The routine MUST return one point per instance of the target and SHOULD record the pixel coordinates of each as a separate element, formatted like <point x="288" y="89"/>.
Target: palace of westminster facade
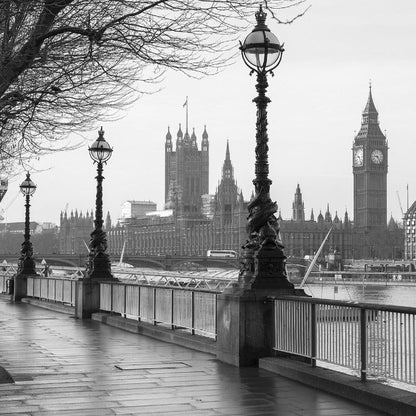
<point x="194" y="221"/>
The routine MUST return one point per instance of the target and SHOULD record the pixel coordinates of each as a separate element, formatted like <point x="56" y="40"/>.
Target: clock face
<point x="358" y="156"/>
<point x="377" y="156"/>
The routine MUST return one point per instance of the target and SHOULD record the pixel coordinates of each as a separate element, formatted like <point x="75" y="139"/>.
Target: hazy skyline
<point x="318" y="94"/>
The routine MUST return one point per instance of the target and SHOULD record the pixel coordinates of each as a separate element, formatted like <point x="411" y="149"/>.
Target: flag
<point x="186" y="102"/>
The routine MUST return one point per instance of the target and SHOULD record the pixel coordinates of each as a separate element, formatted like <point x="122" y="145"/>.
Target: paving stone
<point x="18" y="409"/>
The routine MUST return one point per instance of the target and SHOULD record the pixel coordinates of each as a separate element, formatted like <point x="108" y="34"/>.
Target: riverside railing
<point x="56" y="289"/>
<point x="194" y="310"/>
<point x="372" y="340"/>
<point x="7" y="272"/>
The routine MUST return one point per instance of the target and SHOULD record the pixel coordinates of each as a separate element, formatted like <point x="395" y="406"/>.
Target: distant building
<point x="370" y="166"/>
<point x="186" y="172"/>
<point x="19" y="227"/>
<point x="195" y="221"/>
<point x="304" y="237"/>
<point x="74" y="232"/>
<point x="44" y="237"/>
<point x="222" y="225"/>
<point x="136" y="209"/>
<point x="217" y="223"/>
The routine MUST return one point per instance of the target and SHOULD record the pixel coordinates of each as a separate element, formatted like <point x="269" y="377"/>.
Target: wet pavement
<point x="64" y="366"/>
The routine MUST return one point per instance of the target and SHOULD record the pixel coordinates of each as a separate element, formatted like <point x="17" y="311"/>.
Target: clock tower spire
<point x="370" y="167"/>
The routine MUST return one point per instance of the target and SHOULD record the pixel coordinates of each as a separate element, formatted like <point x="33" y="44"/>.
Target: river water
<point x="392" y="294"/>
<point x="398" y="293"/>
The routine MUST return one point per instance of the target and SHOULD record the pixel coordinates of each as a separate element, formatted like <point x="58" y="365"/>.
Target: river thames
<point x="392" y="294"/>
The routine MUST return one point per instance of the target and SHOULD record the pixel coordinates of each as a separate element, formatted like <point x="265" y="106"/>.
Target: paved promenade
<point x="63" y="366"/>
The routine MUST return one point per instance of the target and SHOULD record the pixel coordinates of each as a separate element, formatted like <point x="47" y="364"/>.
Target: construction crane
<point x="4" y="185"/>
<point x="400" y="203"/>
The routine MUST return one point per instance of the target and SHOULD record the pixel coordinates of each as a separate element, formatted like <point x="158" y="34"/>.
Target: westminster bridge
<point x="167" y="262"/>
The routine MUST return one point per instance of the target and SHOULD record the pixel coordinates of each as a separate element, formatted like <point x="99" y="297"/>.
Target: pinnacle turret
<point x="369" y="120"/>
<point x="328" y="216"/>
<point x="193" y="139"/>
<point x="205" y="134"/>
<point x="370" y="108"/>
<point x="227" y="169"/>
<point x="346" y="219"/>
<point x="168" y="135"/>
<point x="298" y="207"/>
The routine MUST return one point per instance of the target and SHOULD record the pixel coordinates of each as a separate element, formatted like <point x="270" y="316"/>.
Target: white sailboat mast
<point x="314" y="260"/>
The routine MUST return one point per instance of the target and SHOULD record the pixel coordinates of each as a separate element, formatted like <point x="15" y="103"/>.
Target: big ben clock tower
<point x="370" y="156"/>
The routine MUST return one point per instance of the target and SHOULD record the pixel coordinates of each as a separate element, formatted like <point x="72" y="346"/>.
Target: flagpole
<point x="407" y="197"/>
<point x="186" y="113"/>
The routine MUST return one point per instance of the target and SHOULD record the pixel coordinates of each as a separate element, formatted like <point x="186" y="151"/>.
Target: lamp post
<point x="26" y="262"/>
<point x="263" y="263"/>
<point x="99" y="266"/>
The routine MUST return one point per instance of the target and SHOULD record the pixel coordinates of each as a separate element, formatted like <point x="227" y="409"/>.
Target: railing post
<point x="138" y="306"/>
<point x="216" y="317"/>
<point x="193" y="313"/>
<point x="87" y="298"/>
<point x="363" y="340"/>
<point x="154" y="306"/>
<point x="125" y="302"/>
<point x="172" y="326"/>
<point x="111" y="297"/>
<point x="313" y="334"/>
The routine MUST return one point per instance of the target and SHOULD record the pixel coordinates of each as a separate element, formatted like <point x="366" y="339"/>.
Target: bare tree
<point x="64" y="64"/>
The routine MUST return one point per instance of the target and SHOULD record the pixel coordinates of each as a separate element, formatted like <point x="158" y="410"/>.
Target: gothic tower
<point x="370" y="157"/>
<point x="186" y="172"/>
<point x="227" y="195"/>
<point x="298" y="207"/>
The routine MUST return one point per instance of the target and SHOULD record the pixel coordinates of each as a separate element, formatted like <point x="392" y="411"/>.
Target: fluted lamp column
<point x="26" y="261"/>
<point x="263" y="263"/>
<point x="99" y="265"/>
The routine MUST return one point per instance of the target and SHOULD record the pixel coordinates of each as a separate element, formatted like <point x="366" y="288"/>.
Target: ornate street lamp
<point x="26" y="262"/>
<point x="263" y="263"/>
<point x="99" y="266"/>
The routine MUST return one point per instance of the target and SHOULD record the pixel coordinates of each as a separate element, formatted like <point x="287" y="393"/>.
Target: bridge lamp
<point x="99" y="266"/>
<point x="263" y="263"/>
<point x="26" y="261"/>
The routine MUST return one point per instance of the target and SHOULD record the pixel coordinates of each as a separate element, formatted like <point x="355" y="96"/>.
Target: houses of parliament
<point x="195" y="221"/>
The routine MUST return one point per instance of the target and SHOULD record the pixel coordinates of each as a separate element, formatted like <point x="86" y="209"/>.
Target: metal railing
<point x="56" y="289"/>
<point x="372" y="340"/>
<point x="7" y="271"/>
<point x="178" y="308"/>
<point x="165" y="278"/>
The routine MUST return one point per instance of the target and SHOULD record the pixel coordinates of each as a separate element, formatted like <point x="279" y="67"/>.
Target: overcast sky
<point x="318" y="94"/>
